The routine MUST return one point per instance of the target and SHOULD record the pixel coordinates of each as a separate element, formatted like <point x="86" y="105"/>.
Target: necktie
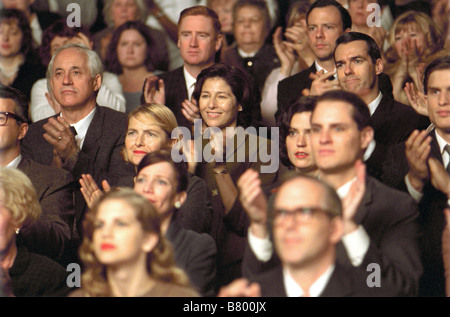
<point x="447" y="148"/>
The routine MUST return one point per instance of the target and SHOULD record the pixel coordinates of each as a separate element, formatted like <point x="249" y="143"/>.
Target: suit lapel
<point x="435" y="150"/>
<point x="94" y="131"/>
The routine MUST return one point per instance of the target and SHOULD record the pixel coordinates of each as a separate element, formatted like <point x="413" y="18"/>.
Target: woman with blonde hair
<point x="27" y="273"/>
<point x="125" y="253"/>
<point x="149" y="129"/>
<point x="415" y="40"/>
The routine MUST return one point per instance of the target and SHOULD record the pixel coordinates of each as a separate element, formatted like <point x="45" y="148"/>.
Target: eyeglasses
<point x="301" y="215"/>
<point x="5" y="115"/>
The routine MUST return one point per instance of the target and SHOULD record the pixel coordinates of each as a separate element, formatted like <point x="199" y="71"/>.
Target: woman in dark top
<point x="19" y="66"/>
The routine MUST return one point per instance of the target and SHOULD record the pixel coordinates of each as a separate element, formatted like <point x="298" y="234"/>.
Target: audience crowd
<point x="225" y="148"/>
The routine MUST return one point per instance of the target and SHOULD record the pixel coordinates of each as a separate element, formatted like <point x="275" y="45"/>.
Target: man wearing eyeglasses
<point x="382" y="229"/>
<point x="54" y="187"/>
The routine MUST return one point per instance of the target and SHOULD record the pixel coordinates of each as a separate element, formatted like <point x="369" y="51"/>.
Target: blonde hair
<point x="153" y="113"/>
<point x="141" y="11"/>
<point x="433" y="34"/>
<point x="17" y="194"/>
<point x="160" y="261"/>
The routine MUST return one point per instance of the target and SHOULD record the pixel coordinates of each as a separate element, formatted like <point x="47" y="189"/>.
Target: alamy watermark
<point x="260" y="147"/>
<point x="374" y="19"/>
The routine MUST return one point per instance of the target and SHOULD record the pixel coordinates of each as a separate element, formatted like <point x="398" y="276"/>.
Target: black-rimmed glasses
<point x="5" y="115"/>
<point x="300" y="215"/>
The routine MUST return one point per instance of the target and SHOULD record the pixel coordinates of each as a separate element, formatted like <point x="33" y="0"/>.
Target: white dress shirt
<point x="316" y="289"/>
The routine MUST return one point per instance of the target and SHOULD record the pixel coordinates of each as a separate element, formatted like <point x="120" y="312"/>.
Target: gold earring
<point x="177" y="204"/>
<point x="17" y="230"/>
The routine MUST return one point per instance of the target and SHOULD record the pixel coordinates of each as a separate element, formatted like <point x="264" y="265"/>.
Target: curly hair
<point x="160" y="261"/>
<point x="153" y="113"/>
<point x="9" y="15"/>
<point x="434" y="38"/>
<point x="112" y="61"/>
<point x="242" y="86"/>
<point x="17" y="194"/>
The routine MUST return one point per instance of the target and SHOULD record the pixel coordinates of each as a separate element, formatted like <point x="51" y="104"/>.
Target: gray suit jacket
<point x="54" y="188"/>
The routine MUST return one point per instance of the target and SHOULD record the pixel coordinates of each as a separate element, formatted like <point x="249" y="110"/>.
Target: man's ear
<point x="219" y="41"/>
<point x="23" y="129"/>
<point x="366" y="136"/>
<point x="97" y="82"/>
<point x="379" y="66"/>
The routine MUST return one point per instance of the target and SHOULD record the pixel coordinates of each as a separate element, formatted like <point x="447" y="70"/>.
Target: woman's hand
<point x="285" y="52"/>
<point x="154" y="90"/>
<point x="90" y="190"/>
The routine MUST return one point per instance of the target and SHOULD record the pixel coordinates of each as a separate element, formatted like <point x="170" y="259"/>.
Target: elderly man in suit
<point x="358" y="66"/>
<point x="199" y="39"/>
<point x="382" y="230"/>
<point x="421" y="167"/>
<point x="51" y="234"/>
<point x="84" y="138"/>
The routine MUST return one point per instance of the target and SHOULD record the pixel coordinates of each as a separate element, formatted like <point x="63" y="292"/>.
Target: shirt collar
<point x="344" y="189"/>
<point x="190" y="82"/>
<point x="374" y="104"/>
<point x="442" y="143"/>
<point x="317" y="288"/>
<point x="14" y="163"/>
<point x="246" y="55"/>
<point x="319" y="68"/>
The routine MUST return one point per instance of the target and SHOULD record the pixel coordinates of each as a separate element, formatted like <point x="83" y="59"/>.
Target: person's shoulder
<point x="56" y="174"/>
<point x="300" y="76"/>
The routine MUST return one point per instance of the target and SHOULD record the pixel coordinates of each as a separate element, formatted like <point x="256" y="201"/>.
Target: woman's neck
<point x="132" y="79"/>
<point x="130" y="280"/>
<point x="10" y="64"/>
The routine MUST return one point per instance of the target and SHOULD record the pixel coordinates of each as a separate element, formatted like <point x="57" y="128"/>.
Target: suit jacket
<point x="195" y="253"/>
<point x="431" y="219"/>
<point x="54" y="188"/>
<point x="100" y="155"/>
<point x="175" y="92"/>
<point x="393" y="122"/>
<point x="390" y="219"/>
<point x="344" y="282"/>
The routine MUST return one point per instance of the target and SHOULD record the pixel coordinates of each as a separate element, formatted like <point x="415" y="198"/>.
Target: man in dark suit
<point x="383" y="229"/>
<point x="84" y="138"/>
<point x="306" y="227"/>
<point x="421" y="167"/>
<point x="199" y="39"/>
<point x="358" y="66"/>
<point x="326" y="20"/>
<point x="54" y="187"/>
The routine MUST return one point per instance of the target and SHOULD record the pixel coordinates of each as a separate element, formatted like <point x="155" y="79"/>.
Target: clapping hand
<point x="90" y="190"/>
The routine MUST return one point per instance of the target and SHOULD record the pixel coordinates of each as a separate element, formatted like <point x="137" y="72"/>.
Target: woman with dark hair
<point x="131" y="56"/>
<point x="19" y="66"/>
<point x="56" y="35"/>
<point x="125" y="253"/>
<point x="295" y="132"/>
<point x="227" y="102"/>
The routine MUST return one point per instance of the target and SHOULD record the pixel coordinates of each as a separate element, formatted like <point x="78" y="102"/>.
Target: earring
<point x="177" y="204"/>
<point x="17" y="230"/>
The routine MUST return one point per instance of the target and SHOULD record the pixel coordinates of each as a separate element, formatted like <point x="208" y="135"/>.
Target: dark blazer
<point x="431" y="219"/>
<point x="54" y="188"/>
<point x="34" y="275"/>
<point x="393" y="122"/>
<point x="390" y="219"/>
<point x="344" y="282"/>
<point x="195" y="253"/>
<point x="100" y="155"/>
<point x="258" y="67"/>
<point x="175" y="92"/>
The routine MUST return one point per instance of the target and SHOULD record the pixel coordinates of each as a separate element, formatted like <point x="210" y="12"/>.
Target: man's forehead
<point x="7" y="104"/>
<point x="332" y="109"/>
<point x="70" y="57"/>
<point x="440" y="77"/>
<point x="354" y="48"/>
<point x="298" y="192"/>
<point x="196" y="23"/>
<point x="324" y="15"/>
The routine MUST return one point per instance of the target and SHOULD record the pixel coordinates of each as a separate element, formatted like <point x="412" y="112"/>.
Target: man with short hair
<point x="326" y="20"/>
<point x="358" y="66"/>
<point x="306" y="226"/>
<point x="383" y="228"/>
<point x="51" y="234"/>
<point x="84" y="138"/>
<point x="199" y="39"/>
<point x="421" y="167"/>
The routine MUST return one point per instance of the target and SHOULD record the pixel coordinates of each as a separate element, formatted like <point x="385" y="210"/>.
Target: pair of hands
<point x="154" y="93"/>
<point x="322" y="82"/>
<point x="423" y="167"/>
<point x="61" y="137"/>
<point x="254" y="202"/>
